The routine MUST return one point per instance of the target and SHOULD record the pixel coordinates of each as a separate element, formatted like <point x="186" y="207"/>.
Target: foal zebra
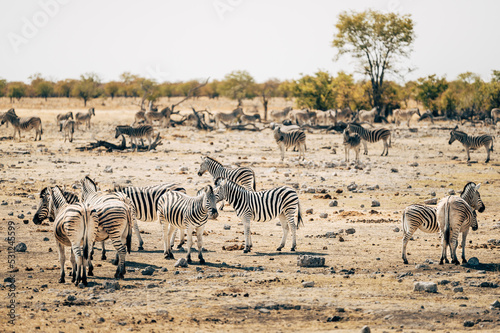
<point x="145" y="202"/>
<point x="178" y="210"/>
<point x="68" y="127"/>
<point x="472" y="142"/>
<point x="424" y="217"/>
<point x="24" y="124"/>
<point x="116" y="215"/>
<point x="454" y="216"/>
<point x="263" y="206"/>
<point x="84" y="118"/>
<point x="75" y="226"/>
<point x="143" y="131"/>
<point x="290" y="139"/>
<point x="243" y="176"/>
<point x="351" y="142"/>
<point x="371" y="136"/>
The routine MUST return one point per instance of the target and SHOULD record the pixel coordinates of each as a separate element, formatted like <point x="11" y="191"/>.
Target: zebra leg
<point x="62" y="260"/>
<point x="182" y="238"/>
<point x="120" y="255"/>
<point x="365" y="146"/>
<point x="468" y="153"/>
<point x="73" y="265"/>
<point x="284" y="225"/>
<point x="291" y="222"/>
<point x="103" y="254"/>
<point x="357" y="154"/>
<point x="444" y="246"/>
<point x="282" y="150"/>
<point x="487" y="153"/>
<point x="346" y="154"/>
<point x="138" y="233"/>
<point x="464" y="238"/>
<point x="199" y="241"/>
<point x="248" y="237"/>
<point x="77" y="257"/>
<point x="222" y="205"/>
<point x="168" y="231"/>
<point x="91" y="267"/>
<point x="302" y="151"/>
<point x="453" y="250"/>
<point x="189" y="243"/>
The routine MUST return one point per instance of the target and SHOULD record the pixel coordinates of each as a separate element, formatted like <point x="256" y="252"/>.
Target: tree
<point x="315" y="92"/>
<point x="41" y="87"/>
<point x="266" y="91"/>
<point x="429" y="89"/>
<point x="238" y="85"/>
<point x="378" y="41"/>
<point x="16" y="90"/>
<point x="63" y="88"/>
<point x="112" y="89"/>
<point x="87" y="88"/>
<point x="3" y="87"/>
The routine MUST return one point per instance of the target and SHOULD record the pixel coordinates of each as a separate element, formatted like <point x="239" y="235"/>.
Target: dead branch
<point x="190" y="92"/>
<point x="123" y="146"/>
<point x="200" y="122"/>
<point x="245" y="127"/>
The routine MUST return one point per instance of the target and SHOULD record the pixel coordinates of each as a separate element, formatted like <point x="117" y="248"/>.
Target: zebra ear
<point x="477" y="186"/>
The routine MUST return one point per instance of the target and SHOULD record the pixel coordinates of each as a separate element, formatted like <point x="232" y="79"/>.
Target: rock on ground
<point x="310" y="261"/>
<point x="429" y="287"/>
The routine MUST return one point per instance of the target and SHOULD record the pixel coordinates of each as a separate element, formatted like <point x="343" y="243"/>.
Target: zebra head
<point x="89" y="186"/>
<point x="44" y="210"/>
<point x="472" y="196"/>
<point x="203" y="166"/>
<point x="453" y="136"/>
<point x="210" y="201"/>
<point x="92" y="111"/>
<point x="220" y="188"/>
<point x="278" y="135"/>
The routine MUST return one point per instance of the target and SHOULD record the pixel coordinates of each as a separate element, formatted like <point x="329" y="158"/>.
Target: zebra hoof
<point x="246" y="250"/>
<point x="405" y="261"/>
<point x="279" y="249"/>
<point x="90" y="273"/>
<point x="62" y="280"/>
<point x="446" y="260"/>
<point x="202" y="261"/>
<point x="140" y="248"/>
<point x="486" y="161"/>
<point x="103" y="257"/>
<point x="464" y="261"/>
<point x="292" y="249"/>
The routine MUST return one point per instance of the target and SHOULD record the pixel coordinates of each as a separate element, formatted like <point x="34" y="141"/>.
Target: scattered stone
<point x="396" y="229"/>
<point x="350" y="231"/>
<point x="495" y="305"/>
<point x="163" y="269"/>
<point x="108" y="169"/>
<point x="112" y="285"/>
<point x="308" y="284"/>
<point x="468" y="323"/>
<point x="451" y="192"/>
<point x="365" y="329"/>
<point x="309" y="211"/>
<point x="227" y="227"/>
<point x="432" y="201"/>
<point x="330" y="234"/>
<point x="414" y="164"/>
<point x="181" y="263"/>
<point x="443" y="282"/>
<point x="486" y="284"/>
<point x="473" y="261"/>
<point x="333" y="203"/>
<point x="148" y="271"/>
<point x="311" y="190"/>
<point x="375" y="203"/>
<point x="21" y="247"/>
<point x="71" y="298"/>
<point x="394" y="170"/>
<point x="323" y="215"/>
<point x="20" y="216"/>
<point x="46" y="239"/>
<point x="432" y="194"/>
<point x="338" y="191"/>
<point x="310" y="261"/>
<point x="152" y="285"/>
<point x="458" y="290"/>
<point x="334" y="319"/>
<point x="351" y="187"/>
<point x="183" y="169"/>
<point x="422" y="266"/>
<point x="429" y="287"/>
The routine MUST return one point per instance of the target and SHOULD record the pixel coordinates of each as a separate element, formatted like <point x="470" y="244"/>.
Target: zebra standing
<point x="116" y="215"/>
<point x="263" y="206"/>
<point x="454" y="216"/>
<point x="68" y="127"/>
<point x="405" y="115"/>
<point x="351" y="142"/>
<point x="290" y="139"/>
<point x="64" y="116"/>
<point x="140" y="132"/>
<point x="372" y="136"/>
<point x="75" y="226"/>
<point x="243" y="176"/>
<point x="178" y="210"/>
<point x="84" y="118"/>
<point x="145" y="202"/>
<point x="472" y="142"/>
<point x="24" y="124"/>
<point x="495" y="115"/>
<point x="424" y="217"/>
<point x="44" y="210"/>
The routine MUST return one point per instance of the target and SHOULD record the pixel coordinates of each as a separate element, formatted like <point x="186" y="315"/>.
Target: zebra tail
<point x="491" y="148"/>
<point x="300" y="221"/>
<point x="41" y="128"/>
<point x="390" y="140"/>
<point x="254" y="182"/>
<point x="446" y="233"/>
<point x="129" y="238"/>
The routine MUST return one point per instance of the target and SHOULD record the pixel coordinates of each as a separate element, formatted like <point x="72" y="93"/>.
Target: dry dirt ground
<point x="364" y="281"/>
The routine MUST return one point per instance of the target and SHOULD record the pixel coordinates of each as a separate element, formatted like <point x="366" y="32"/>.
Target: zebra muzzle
<point x="213" y="213"/>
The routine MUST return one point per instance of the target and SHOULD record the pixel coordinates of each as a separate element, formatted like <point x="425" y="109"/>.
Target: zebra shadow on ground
<point x="484" y="267"/>
<point x="287" y="253"/>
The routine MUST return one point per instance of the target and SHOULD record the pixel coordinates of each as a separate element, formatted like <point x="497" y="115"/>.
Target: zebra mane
<point x="87" y="178"/>
<point x="212" y="159"/>
<point x="11" y="113"/>
<point x="44" y="192"/>
<point x="458" y="132"/>
<point x="58" y="197"/>
<point x="469" y="184"/>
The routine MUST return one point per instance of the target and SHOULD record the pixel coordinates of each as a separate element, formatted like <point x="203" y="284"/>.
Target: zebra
<point x="262" y="206"/>
<point x="243" y="175"/>
<point x="44" y="211"/>
<point x="84" y="118"/>
<point x="368" y="116"/>
<point x="472" y="142"/>
<point x="75" y="225"/>
<point x="280" y="115"/>
<point x="24" y="124"/>
<point x="351" y="142"/>
<point x="139" y="117"/>
<point x="64" y="116"/>
<point x="249" y="119"/>
<point x="424" y="217"/>
<point x="495" y="115"/>
<point x="116" y="214"/>
<point x="145" y="202"/>
<point x="69" y="129"/>
<point x="290" y="139"/>
<point x="151" y="115"/>
<point x="371" y="136"/>
<point x="405" y="115"/>
<point x="143" y="131"/>
<point x="176" y="209"/>
<point x="454" y="215"/>
<point x="227" y="117"/>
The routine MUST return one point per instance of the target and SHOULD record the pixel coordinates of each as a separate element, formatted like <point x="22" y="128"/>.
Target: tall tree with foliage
<point x="238" y="85"/>
<point x="41" y="87"/>
<point x="378" y="41"/>
<point x="88" y="87"/>
<point x="266" y="91"/>
<point x="315" y="91"/>
<point x="16" y="90"/>
<point x="429" y="89"/>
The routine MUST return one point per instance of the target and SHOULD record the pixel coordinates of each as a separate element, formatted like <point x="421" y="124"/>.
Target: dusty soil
<point x="364" y="281"/>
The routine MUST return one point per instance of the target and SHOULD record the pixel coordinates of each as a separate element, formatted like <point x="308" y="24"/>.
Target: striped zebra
<point x="290" y="139"/>
<point x="472" y="142"/>
<point x="68" y="128"/>
<point x="116" y="214"/>
<point x="24" y="124"/>
<point x="64" y="116"/>
<point x="75" y="226"/>
<point x="139" y="132"/>
<point x="405" y="115"/>
<point x="371" y="136"/>
<point x="243" y="175"/>
<point x="424" y="217"/>
<point x="145" y="202"/>
<point x="454" y="215"/>
<point x="351" y="142"/>
<point x="177" y="210"/>
<point x="44" y="210"/>
<point x="84" y="117"/>
<point x="495" y="115"/>
<point x="263" y="206"/>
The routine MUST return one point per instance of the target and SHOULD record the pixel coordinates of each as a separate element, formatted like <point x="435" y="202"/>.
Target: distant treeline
<point x="467" y="95"/>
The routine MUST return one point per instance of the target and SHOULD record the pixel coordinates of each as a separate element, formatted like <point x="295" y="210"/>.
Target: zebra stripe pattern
<point x="296" y="138"/>
<point x="84" y="117"/>
<point x="424" y="217"/>
<point x="351" y="142"/>
<point x="145" y="201"/>
<point x="116" y="214"/>
<point x="405" y="115"/>
<point x="24" y="124"/>
<point x="68" y="128"/>
<point x="44" y="210"/>
<point x="75" y="226"/>
<point x="143" y="131"/>
<point x="263" y="206"/>
<point x="454" y="216"/>
<point x="64" y="116"/>
<point x="372" y="136"/>
<point x="469" y="142"/>
<point x="177" y="210"/>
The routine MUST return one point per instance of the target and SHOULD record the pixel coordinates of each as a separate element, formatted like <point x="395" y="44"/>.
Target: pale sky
<point x="196" y="39"/>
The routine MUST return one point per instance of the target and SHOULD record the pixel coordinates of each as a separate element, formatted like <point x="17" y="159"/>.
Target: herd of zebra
<point x="99" y="215"/>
